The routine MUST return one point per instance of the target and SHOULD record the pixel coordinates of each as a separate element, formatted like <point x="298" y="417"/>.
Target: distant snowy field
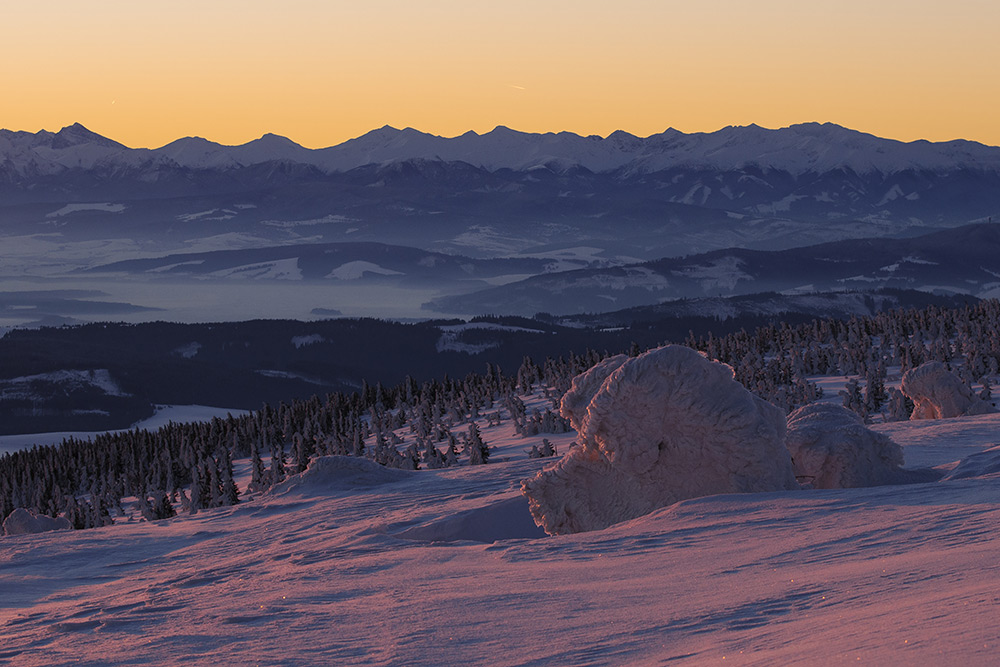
<point x="164" y="414"/>
<point x="355" y="564"/>
<point x="216" y="301"/>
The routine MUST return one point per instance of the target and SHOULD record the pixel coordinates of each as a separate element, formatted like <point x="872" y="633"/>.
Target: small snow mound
<point x="585" y="386"/>
<point x="507" y="519"/>
<point x="937" y="393"/>
<point x="333" y="474"/>
<point x="832" y="448"/>
<point x="979" y="464"/>
<point x="665" y="426"/>
<point x="24" y="522"/>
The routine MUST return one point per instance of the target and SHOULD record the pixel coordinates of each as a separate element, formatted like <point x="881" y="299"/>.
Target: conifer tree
<point x="479" y="452"/>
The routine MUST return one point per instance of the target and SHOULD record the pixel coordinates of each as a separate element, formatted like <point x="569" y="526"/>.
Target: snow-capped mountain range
<point x="73" y="200"/>
<point x="799" y="149"/>
<point x="502" y="193"/>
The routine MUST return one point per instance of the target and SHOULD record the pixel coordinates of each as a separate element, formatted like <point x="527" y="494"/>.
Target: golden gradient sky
<point x="320" y="72"/>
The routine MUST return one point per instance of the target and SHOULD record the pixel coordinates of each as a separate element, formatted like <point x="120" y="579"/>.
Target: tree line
<point x="189" y="466"/>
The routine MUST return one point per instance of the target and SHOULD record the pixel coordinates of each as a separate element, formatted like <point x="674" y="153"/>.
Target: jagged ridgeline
<point x="188" y="467"/>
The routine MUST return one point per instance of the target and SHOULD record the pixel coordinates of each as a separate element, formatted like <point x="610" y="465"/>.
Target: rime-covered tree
<point x="479" y="452"/>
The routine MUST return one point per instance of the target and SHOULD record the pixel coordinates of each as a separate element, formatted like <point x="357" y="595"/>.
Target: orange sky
<point x="323" y="71"/>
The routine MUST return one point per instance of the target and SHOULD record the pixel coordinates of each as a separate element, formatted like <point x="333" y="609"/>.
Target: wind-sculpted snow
<point x="664" y="426"/>
<point x="832" y="449"/>
<point x="585" y="386"/>
<point x="502" y="520"/>
<point x="979" y="464"/>
<point x="335" y="474"/>
<point x="23" y="522"/>
<point x="937" y="393"/>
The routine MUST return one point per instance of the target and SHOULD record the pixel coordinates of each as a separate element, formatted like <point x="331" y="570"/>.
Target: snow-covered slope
<point x="444" y="567"/>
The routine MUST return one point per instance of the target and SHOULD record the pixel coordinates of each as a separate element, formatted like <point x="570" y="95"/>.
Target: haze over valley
<point x="403" y="224"/>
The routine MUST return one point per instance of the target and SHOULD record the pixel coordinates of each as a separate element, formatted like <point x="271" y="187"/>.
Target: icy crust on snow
<point x="832" y="448"/>
<point x="665" y="426"/>
<point x="585" y="386"/>
<point x="24" y="522"/>
<point x="937" y="393"/>
<point x="334" y="474"/>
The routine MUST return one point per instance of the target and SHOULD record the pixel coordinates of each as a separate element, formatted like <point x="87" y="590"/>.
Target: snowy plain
<point x="354" y="564"/>
<point x="164" y="414"/>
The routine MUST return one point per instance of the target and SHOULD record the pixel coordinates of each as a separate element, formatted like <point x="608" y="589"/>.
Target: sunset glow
<point x="323" y="72"/>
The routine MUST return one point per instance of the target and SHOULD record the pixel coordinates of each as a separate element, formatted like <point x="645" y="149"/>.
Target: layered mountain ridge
<point x="965" y="260"/>
<point x="797" y="149"/>
<point x="274" y="212"/>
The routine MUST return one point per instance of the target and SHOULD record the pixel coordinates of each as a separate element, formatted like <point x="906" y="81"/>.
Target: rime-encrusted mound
<point x="832" y="448"/>
<point x="937" y="393"/>
<point x="23" y="522"/>
<point x="664" y="426"/>
<point x="585" y="385"/>
<point x="333" y="474"/>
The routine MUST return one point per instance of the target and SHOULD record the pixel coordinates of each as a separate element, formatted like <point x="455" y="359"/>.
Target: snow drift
<point x="979" y="464"/>
<point x="505" y="519"/>
<point x="832" y="448"/>
<point x="334" y="474"/>
<point x="937" y="393"/>
<point x="664" y="426"/>
<point x="23" y="521"/>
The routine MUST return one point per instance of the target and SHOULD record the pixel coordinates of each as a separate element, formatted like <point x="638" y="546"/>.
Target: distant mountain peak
<point x="76" y="134"/>
<point x="271" y="139"/>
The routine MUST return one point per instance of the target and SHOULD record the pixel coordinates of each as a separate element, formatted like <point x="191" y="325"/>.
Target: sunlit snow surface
<point x="437" y="567"/>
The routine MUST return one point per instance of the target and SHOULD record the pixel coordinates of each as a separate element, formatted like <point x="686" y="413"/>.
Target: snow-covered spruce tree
<point x="230" y="492"/>
<point x="479" y="452"/>
<point x="160" y="507"/>
<point x="258" y="474"/>
<point x="277" y="469"/>
<point x="548" y="449"/>
<point x="853" y="399"/>
<point x="301" y="452"/>
<point x="198" y="490"/>
<point x="646" y="428"/>
<point x="451" y="455"/>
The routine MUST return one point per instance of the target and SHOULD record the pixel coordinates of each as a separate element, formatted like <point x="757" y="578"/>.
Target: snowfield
<point x="163" y="415"/>
<point x="351" y="563"/>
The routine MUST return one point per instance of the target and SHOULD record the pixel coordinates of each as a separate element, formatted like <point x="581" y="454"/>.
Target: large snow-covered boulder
<point x="832" y="448"/>
<point x="937" y="393"/>
<point x="585" y="385"/>
<point x="664" y="426"/>
<point x="23" y="522"/>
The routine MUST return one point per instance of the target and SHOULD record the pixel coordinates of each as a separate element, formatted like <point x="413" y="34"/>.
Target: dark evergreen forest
<point x="190" y="466"/>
